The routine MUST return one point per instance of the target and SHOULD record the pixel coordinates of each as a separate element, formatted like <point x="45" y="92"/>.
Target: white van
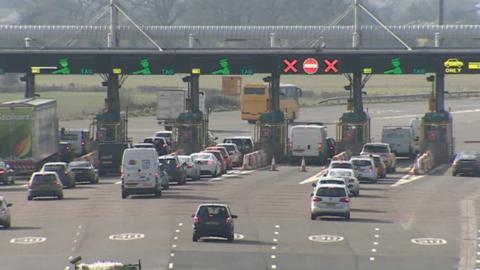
<point x="140" y="172"/>
<point x="400" y="140"/>
<point x="309" y="141"/>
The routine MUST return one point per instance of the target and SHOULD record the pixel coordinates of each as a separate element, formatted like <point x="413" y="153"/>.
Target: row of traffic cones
<point x="273" y="165"/>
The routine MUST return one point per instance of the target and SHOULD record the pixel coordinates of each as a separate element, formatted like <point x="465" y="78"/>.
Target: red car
<point x="219" y="156"/>
<point x="225" y="155"/>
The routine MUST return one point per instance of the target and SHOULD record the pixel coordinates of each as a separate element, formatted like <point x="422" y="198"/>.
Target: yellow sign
<point x="35" y="70"/>
<point x="473" y="65"/>
<point x="117" y="71"/>
<point x="195" y="71"/>
<point x="453" y="65"/>
<point x="367" y="70"/>
<point x="231" y="85"/>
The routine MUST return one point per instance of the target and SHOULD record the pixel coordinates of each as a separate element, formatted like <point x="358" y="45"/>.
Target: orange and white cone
<point x="303" y="167"/>
<point x="273" y="166"/>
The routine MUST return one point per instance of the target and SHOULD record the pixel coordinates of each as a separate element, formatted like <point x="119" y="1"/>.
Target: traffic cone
<point x="273" y="166"/>
<point x="303" y="167"/>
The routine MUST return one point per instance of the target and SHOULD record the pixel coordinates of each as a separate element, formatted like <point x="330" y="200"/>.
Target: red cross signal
<point x="331" y="66"/>
<point x="290" y="66"/>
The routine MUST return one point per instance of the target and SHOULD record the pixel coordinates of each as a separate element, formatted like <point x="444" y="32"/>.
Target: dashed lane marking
<point x="118" y="182"/>
<point x="126" y="236"/>
<point x="407" y="179"/>
<point x="313" y="178"/>
<point x="29" y="240"/>
<point x="238" y="236"/>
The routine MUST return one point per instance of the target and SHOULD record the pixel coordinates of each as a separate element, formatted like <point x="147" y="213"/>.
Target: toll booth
<point x="108" y="127"/>
<point x="437" y="135"/>
<point x="270" y="134"/>
<point x="190" y="132"/>
<point x="353" y="131"/>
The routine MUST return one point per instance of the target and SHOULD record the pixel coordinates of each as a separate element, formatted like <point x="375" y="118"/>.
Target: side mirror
<point x="216" y="138"/>
<point x="9" y="204"/>
<point x="193" y="215"/>
<point x="311" y="194"/>
<point x="234" y="216"/>
<point x="314" y="184"/>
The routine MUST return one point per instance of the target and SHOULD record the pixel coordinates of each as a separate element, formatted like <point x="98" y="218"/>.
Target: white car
<point x="165" y="134"/>
<point x="330" y="200"/>
<point x="193" y="170"/>
<point x="383" y="150"/>
<point x="348" y="175"/>
<point x="365" y="167"/>
<point x="329" y="180"/>
<point x="5" y="213"/>
<point x="208" y="163"/>
<point x="341" y="164"/>
<point x="234" y="153"/>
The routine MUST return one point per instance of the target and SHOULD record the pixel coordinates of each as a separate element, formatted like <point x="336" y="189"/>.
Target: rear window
<point x="163" y="134"/>
<point x="160" y="141"/>
<point x="361" y="163"/>
<point x="47" y="178"/>
<point x="217" y="155"/>
<point x="341" y="166"/>
<point x="230" y="148"/>
<point x="331" y="192"/>
<point x="375" y="149"/>
<point x="54" y="168"/>
<point x="201" y="156"/>
<point x="168" y="161"/>
<point x="148" y="140"/>
<point x="213" y="212"/>
<point x="336" y="182"/>
<point x="239" y="142"/>
<point x="184" y="159"/>
<point x="79" y="164"/>
<point x="340" y="173"/>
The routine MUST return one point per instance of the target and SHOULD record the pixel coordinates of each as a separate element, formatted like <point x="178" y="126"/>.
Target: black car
<point x="331" y="147"/>
<point x="213" y="220"/>
<point x="466" y="163"/>
<point x="7" y="174"/>
<point x="160" y="143"/>
<point x="177" y="171"/>
<point x="83" y="172"/>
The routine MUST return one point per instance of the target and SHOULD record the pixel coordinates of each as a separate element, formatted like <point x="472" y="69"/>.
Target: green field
<point x="77" y="104"/>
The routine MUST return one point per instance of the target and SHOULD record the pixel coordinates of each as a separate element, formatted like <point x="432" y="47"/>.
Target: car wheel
<point x="157" y="193"/>
<point x="358" y="193"/>
<point x="454" y="174"/>
<point x="347" y="216"/>
<point x="195" y="237"/>
<point x="12" y="180"/>
<point x="231" y="237"/>
<point x="313" y="217"/>
<point x="60" y="197"/>
<point x="7" y="224"/>
<point x="166" y="186"/>
<point x="29" y="198"/>
<point x="124" y="194"/>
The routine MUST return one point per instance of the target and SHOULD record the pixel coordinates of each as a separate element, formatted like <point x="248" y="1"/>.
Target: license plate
<point x="331" y="203"/>
<point x="212" y="223"/>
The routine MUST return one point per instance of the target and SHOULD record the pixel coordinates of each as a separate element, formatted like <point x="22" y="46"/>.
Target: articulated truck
<point x="28" y="133"/>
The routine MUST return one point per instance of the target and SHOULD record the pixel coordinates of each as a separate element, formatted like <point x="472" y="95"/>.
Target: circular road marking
<point x="238" y="236"/>
<point x="429" y="241"/>
<point x="126" y="236"/>
<point x="29" y="240"/>
<point x="325" y="238"/>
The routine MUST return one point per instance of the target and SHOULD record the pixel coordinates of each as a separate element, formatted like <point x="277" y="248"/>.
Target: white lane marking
<point x="75" y="241"/>
<point x="118" y="183"/>
<point x="79" y="227"/>
<point x="78" y="233"/>
<point x="276" y="233"/>
<point x="274" y="247"/>
<point x="238" y="236"/>
<point x="277" y="226"/>
<point x="29" y="240"/>
<point x="325" y="238"/>
<point x="126" y="236"/>
<point x="175" y="238"/>
<point x="372" y="259"/>
<point x="174" y="246"/>
<point x="246" y="172"/>
<point x="407" y="179"/>
<point x="273" y="257"/>
<point x="215" y="179"/>
<point x="275" y="240"/>
<point x="468" y="233"/>
<point x="313" y="178"/>
<point x="376" y="236"/>
<point x="172" y="254"/>
<point x="180" y="224"/>
<point x="377" y="229"/>
<point x="67" y="267"/>
<point x="429" y="241"/>
<point x="374" y="250"/>
<point x="26" y="185"/>
<point x="177" y="231"/>
<point x="230" y="175"/>
<point x="274" y="266"/>
<point x="170" y="266"/>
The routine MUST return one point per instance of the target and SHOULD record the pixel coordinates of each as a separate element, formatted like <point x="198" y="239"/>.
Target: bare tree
<point x="163" y="12"/>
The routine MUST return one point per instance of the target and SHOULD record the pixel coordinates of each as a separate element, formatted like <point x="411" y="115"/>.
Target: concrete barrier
<point x="254" y="160"/>
<point x="343" y="156"/>
<point x="91" y="157"/>
<point x="423" y="164"/>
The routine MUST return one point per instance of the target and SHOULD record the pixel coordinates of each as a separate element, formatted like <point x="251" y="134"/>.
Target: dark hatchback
<point x="213" y="220"/>
<point x="83" y="172"/>
<point x="466" y="163"/>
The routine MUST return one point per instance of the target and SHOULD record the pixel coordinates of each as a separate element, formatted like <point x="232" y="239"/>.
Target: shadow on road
<point x="235" y="242"/>
<point x="23" y="228"/>
<point x="358" y="210"/>
<point x="13" y="189"/>
<point x="353" y="219"/>
<point x="370" y="196"/>
<point x="188" y="197"/>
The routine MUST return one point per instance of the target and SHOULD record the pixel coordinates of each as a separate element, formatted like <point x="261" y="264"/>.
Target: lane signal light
<point x="290" y="66"/>
<point x="331" y="66"/>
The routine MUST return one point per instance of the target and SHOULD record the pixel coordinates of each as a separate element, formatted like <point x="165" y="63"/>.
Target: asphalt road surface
<point x="426" y="222"/>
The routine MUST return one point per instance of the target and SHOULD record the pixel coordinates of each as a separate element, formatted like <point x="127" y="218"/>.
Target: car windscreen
<point x="212" y="212"/>
<point x="336" y="182"/>
<point x="375" y="149"/>
<point x="45" y="178"/>
<point x="230" y="148"/>
<point x="184" y="159"/>
<point x="79" y="164"/>
<point x="168" y="161"/>
<point x="340" y="173"/>
<point x="331" y="192"/>
<point x="163" y="134"/>
<point x="160" y="141"/>
<point x="218" y="155"/>
<point x="361" y="163"/>
<point x="341" y="166"/>
<point x="201" y="156"/>
<point x="54" y="168"/>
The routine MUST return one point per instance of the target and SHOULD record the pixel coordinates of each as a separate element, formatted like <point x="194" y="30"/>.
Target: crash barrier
<point x="91" y="157"/>
<point x="342" y="156"/>
<point x="423" y="164"/>
<point x="254" y="160"/>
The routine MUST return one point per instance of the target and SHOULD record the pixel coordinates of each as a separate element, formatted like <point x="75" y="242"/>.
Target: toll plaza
<point x="353" y="129"/>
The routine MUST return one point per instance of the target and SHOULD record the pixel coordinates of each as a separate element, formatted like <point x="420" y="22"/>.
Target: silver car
<point x="330" y="200"/>
<point x="193" y="170"/>
<point x="5" y="213"/>
<point x="208" y="163"/>
<point x="234" y="153"/>
<point x="348" y="175"/>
